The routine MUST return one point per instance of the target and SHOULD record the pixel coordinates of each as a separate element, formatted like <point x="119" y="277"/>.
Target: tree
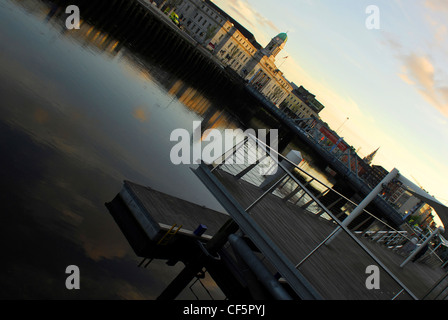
<point x="171" y="5"/>
<point x="210" y="33"/>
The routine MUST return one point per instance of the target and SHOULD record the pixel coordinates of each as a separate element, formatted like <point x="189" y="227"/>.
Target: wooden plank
<point x="336" y="271"/>
<point x="167" y="210"/>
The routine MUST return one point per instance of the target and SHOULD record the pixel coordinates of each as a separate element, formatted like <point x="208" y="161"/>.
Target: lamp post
<point x="342" y="124"/>
<point x="284" y="59"/>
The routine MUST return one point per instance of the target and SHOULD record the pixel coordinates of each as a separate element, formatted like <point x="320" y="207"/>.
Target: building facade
<point x="302" y="104"/>
<point x="235" y="47"/>
<point x="201" y="20"/>
<point x="265" y="76"/>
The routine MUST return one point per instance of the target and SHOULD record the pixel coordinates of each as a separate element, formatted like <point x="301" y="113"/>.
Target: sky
<point x="391" y="82"/>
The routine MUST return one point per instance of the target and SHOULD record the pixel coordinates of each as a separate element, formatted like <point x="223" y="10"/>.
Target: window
<point x="200" y="18"/>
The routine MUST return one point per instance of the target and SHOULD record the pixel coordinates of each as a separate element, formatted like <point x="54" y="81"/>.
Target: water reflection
<point x="80" y="113"/>
<point x="71" y="137"/>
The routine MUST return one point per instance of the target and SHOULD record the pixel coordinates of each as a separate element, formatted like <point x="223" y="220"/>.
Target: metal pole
<point x="345" y="229"/>
<point x="317" y="248"/>
<point x="249" y="168"/>
<point x="342" y="124"/>
<point x="418" y="249"/>
<point x="197" y="262"/>
<point x="395" y="297"/>
<point x="235" y="149"/>
<point x="266" y="192"/>
<point x="258" y="268"/>
<point x="359" y="209"/>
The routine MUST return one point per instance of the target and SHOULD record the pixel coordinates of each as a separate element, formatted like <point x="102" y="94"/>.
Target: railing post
<point x="292" y="194"/>
<point x="265" y="193"/>
<point x="418" y="249"/>
<point x="235" y="149"/>
<point x="250" y="167"/>
<point x="366" y="201"/>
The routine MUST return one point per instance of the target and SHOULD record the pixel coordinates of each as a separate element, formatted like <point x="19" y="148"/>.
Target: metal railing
<point x="298" y="196"/>
<point x="290" y="188"/>
<point x="392" y="239"/>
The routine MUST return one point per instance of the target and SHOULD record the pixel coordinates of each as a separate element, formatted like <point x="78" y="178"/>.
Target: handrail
<point x="323" y="184"/>
<point x="343" y="227"/>
<point x="265" y="148"/>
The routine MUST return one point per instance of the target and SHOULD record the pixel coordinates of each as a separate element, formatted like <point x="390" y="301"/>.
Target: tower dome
<point x="283" y="36"/>
<point x="277" y="43"/>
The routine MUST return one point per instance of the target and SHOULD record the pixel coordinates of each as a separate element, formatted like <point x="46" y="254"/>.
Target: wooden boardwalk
<point x="337" y="271"/>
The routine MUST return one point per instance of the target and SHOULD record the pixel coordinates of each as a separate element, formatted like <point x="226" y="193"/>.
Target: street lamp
<point x="342" y="125"/>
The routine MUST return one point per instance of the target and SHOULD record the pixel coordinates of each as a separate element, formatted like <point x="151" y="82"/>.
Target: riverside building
<point x="236" y="47"/>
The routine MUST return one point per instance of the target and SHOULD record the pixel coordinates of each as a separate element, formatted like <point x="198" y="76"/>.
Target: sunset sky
<point x="392" y="82"/>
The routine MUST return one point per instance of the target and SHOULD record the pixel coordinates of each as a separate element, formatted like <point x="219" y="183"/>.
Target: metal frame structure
<point x="262" y="241"/>
<point x="294" y="278"/>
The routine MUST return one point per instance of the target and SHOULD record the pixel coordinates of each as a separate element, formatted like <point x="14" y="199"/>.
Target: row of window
<point x="200" y="18"/>
<point x="212" y="13"/>
<point x="301" y="113"/>
<point x="244" y="43"/>
<point x="238" y="55"/>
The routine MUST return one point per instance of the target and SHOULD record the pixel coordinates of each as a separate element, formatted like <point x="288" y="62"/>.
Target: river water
<point x="78" y="115"/>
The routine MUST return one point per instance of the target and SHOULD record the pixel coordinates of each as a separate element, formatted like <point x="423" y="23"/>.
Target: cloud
<point x="437" y="17"/>
<point x="441" y="33"/>
<point x="406" y="79"/>
<point x="392" y="42"/>
<point x="439" y="29"/>
<point x="424" y="68"/>
<point x="437" y="5"/>
<point x="247" y="13"/>
<point x="420" y="72"/>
